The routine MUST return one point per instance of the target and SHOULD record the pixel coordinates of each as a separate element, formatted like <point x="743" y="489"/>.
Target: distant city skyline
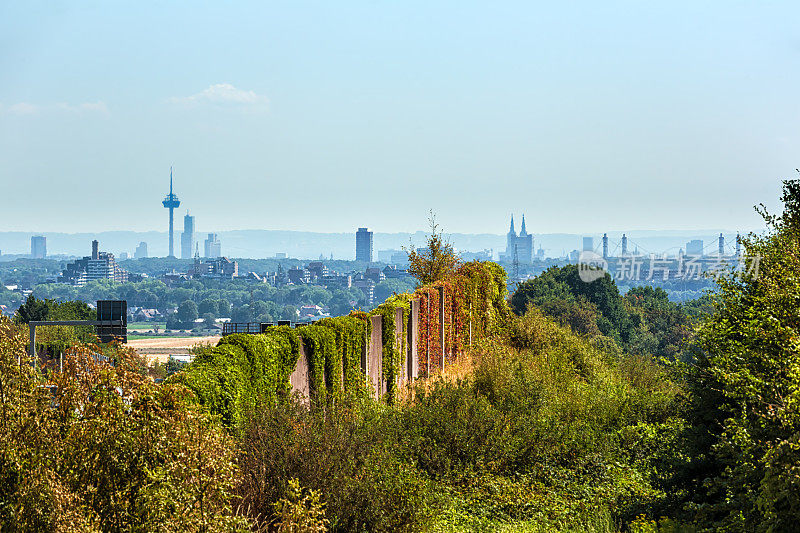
<point x="310" y="245"/>
<point x="672" y="116"/>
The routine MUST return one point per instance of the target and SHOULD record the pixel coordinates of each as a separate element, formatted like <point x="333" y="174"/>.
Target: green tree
<point x="187" y="312"/>
<point x="289" y="313"/>
<point x="208" y="306"/>
<point x="223" y="308"/>
<point x="32" y="310"/>
<point x="105" y="449"/>
<point x="745" y="409"/>
<point x="437" y="260"/>
<point x="386" y="288"/>
<point x="565" y="284"/>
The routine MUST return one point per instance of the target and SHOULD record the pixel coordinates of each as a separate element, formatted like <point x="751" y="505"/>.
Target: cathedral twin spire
<point x="522" y="231"/>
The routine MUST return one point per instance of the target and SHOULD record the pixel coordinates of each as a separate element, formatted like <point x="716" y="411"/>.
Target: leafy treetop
<point x="437" y="260"/>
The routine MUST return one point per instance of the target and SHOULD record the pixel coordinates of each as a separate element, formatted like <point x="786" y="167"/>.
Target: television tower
<point x="171" y="202"/>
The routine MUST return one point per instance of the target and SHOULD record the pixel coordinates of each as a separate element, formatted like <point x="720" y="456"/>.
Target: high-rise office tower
<point x="694" y="248"/>
<point x="141" y="251"/>
<point x="187" y="237"/>
<point x="38" y="247"/>
<point x="364" y="245"/>
<point x="212" y="246"/>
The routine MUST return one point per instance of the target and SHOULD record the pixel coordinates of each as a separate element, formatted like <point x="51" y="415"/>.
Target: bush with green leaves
<point x="742" y="459"/>
<point x="102" y="448"/>
<point x="344" y="453"/>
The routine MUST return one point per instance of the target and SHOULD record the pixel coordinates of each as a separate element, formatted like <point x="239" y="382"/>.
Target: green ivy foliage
<point x="350" y="338"/>
<point x="324" y="362"/>
<point x="243" y="372"/>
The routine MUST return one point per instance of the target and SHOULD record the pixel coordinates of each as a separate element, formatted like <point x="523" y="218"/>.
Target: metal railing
<point x="254" y="328"/>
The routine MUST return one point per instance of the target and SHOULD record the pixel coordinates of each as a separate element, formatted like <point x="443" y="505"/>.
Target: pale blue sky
<point x="588" y="117"/>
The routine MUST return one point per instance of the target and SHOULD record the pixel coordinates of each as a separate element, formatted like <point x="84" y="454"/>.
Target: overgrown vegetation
<point x="102" y="448"/>
<point x="583" y="411"/>
<point x="644" y="321"/>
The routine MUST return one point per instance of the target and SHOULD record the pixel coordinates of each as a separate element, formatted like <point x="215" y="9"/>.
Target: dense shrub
<point x="345" y="454"/>
<point x="741" y="473"/>
<point x="104" y="448"/>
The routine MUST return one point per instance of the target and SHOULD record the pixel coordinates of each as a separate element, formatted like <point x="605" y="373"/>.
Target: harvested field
<point x="162" y="347"/>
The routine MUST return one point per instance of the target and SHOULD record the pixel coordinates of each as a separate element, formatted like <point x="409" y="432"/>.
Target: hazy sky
<point x="587" y="117"/>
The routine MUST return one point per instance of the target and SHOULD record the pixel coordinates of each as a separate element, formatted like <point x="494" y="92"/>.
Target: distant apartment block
<point x="367" y="286"/>
<point x="588" y="244"/>
<point x="336" y="281"/>
<point x="187" y="237"/>
<point x="100" y="265"/>
<point x="694" y="248"/>
<point x="220" y="267"/>
<point x="364" y="245"/>
<point x="299" y="276"/>
<point x="375" y="274"/>
<point x="38" y="247"/>
<point x="212" y="248"/>
<point x="141" y="251"/>
<point x="318" y="269"/>
<point x="392" y="272"/>
<point x="389" y="256"/>
<point x="485" y="255"/>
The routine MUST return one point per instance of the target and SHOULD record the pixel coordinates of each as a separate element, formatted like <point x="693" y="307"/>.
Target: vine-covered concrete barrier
<point x="406" y="337"/>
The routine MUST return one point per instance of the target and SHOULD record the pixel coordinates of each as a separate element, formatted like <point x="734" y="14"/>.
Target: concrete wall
<point x="372" y="355"/>
<point x="375" y="357"/>
<point x="301" y="377"/>
<point x="412" y="359"/>
<point x="398" y="344"/>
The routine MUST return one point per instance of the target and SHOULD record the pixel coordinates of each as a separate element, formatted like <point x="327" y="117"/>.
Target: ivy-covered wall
<point x="244" y="371"/>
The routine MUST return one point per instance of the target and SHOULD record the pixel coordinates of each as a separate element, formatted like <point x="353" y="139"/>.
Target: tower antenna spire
<point x="171" y="202"/>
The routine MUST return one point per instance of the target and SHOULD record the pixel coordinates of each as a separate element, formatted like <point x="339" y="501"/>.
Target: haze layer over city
<point x="399" y="266"/>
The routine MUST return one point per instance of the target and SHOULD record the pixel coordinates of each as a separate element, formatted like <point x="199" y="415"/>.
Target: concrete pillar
<point x="441" y="325"/>
<point x="375" y="356"/>
<point x="32" y="339"/>
<point x="398" y="345"/>
<point x="412" y="360"/>
<point x="301" y="376"/>
<point x="364" y="356"/>
<point x="428" y="337"/>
